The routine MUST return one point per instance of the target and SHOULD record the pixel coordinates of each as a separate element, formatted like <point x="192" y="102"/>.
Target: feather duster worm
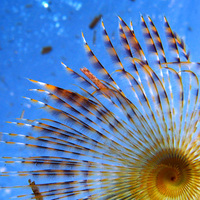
<point x="130" y="134"/>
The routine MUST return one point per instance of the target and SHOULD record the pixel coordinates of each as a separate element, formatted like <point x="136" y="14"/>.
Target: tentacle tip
<point x="65" y="66"/>
<point x="102" y="24"/>
<point x="9" y="122"/>
<point x="119" y="18"/>
<point x="32" y="90"/>
<point x="31" y="80"/>
<point x="83" y="37"/>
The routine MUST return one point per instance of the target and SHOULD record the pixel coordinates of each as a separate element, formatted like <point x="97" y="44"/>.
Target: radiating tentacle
<point x="151" y="46"/>
<point x="172" y="41"/>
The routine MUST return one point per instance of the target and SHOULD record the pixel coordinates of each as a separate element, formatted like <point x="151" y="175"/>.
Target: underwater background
<point x="36" y="36"/>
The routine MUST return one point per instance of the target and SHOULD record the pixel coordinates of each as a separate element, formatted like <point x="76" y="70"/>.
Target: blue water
<point x="28" y="26"/>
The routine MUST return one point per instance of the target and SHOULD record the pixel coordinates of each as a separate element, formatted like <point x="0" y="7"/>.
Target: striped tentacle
<point x="127" y="113"/>
<point x="112" y="52"/>
<point x="123" y="103"/>
<point x="102" y="113"/>
<point x="152" y="49"/>
<point x="80" y="79"/>
<point x="66" y="173"/>
<point x="158" y="42"/>
<point x="164" y="62"/>
<point x="138" y="92"/>
<point x="125" y="30"/>
<point x="125" y="42"/>
<point x="173" y="46"/>
<point x="128" y="51"/>
<point x="192" y="102"/>
<point x="131" y="36"/>
<point x="140" y="123"/>
<point x="172" y="42"/>
<point x="178" y="98"/>
<point x="97" y="64"/>
<point x="162" y="102"/>
<point x="118" y="122"/>
<point x="51" y="87"/>
<point x="151" y="46"/>
<point x="182" y="46"/>
<point x="116" y="58"/>
<point x="113" y="122"/>
<point x="133" y="41"/>
<point x="167" y="82"/>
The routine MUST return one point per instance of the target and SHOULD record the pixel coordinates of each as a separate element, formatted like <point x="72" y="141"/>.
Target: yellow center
<point x="168" y="175"/>
<point x="170" y="179"/>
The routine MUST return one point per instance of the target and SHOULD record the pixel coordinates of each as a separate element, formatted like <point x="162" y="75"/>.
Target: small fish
<point x="127" y="132"/>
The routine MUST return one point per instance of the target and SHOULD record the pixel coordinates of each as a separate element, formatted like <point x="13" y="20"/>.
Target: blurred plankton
<point x="125" y="133"/>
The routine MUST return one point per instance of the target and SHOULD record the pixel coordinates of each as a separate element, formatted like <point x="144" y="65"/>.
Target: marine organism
<point x="127" y="131"/>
